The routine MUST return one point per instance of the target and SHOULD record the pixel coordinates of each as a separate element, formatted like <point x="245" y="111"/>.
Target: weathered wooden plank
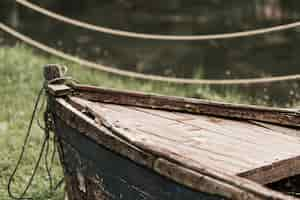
<point x="215" y="142"/>
<point x="140" y="123"/>
<point x="274" y="172"/>
<point x="273" y="115"/>
<point x="100" y="134"/>
<point x="248" y="133"/>
<point x="252" y="191"/>
<point x="288" y="131"/>
<point x="244" y="131"/>
<point x="57" y="90"/>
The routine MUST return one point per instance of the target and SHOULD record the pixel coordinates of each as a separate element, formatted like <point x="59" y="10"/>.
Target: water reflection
<point x="267" y="55"/>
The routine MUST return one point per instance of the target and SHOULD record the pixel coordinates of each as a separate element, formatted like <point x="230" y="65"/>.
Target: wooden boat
<point x="133" y="146"/>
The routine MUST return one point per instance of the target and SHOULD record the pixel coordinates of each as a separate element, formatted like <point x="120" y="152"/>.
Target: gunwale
<point x="279" y="116"/>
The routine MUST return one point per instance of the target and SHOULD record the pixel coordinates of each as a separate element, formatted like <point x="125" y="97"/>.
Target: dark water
<point x="260" y="56"/>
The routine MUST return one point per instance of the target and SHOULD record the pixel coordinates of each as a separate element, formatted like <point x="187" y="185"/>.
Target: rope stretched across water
<point x="124" y="73"/>
<point x="135" y="35"/>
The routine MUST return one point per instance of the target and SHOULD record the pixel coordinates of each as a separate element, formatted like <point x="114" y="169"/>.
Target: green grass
<point x="20" y="80"/>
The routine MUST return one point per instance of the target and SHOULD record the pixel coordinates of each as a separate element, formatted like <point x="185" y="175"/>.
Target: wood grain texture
<point x="286" y="117"/>
<point x="235" y="147"/>
<point x="74" y="118"/>
<point x="58" y="90"/>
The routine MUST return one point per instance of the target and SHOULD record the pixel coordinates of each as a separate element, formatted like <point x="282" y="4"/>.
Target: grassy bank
<point x="20" y="80"/>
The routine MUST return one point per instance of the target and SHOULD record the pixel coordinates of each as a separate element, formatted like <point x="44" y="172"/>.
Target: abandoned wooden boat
<point x="133" y="146"/>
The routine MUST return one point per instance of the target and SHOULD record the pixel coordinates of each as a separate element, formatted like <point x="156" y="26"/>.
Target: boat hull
<point x="95" y="173"/>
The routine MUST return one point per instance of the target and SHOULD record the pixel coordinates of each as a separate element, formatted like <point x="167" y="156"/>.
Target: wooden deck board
<point x="236" y="147"/>
<point x="227" y="129"/>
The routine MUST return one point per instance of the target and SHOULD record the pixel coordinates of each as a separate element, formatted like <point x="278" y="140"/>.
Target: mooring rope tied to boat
<point x="140" y="76"/>
<point x="128" y="34"/>
<point x="44" y="150"/>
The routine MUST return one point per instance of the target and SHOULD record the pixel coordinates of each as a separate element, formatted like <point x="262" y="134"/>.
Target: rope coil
<point x="135" y="35"/>
<point x="140" y="76"/>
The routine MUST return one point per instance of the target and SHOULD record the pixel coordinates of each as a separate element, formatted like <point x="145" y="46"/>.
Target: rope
<point x="92" y="65"/>
<point x="21" y="197"/>
<point x="44" y="148"/>
<point x="135" y="35"/>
